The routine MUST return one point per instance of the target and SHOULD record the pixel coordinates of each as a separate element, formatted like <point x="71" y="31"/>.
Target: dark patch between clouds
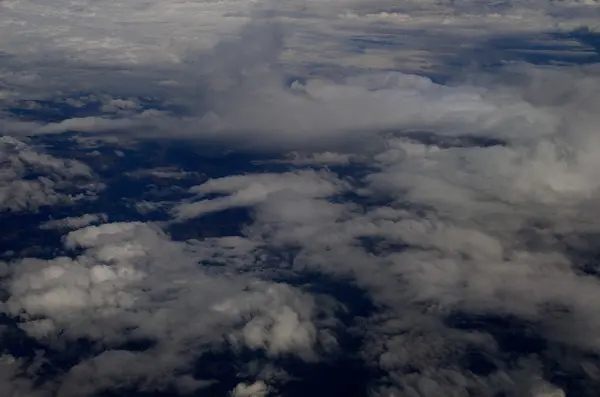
<point x="514" y="336"/>
<point x="446" y="142"/>
<point x="517" y="339"/>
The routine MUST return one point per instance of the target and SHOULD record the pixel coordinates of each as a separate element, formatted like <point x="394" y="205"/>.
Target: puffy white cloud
<point x="256" y="389"/>
<point x="131" y="282"/>
<point x="285" y="325"/>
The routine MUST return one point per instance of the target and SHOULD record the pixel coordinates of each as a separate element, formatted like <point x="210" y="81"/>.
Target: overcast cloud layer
<point x="451" y="190"/>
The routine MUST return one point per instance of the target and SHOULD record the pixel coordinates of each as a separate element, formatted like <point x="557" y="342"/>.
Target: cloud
<point x="98" y="124"/>
<point x="256" y="389"/>
<point x="475" y="201"/>
<point x="223" y="78"/>
<point x="32" y="179"/>
<point x="116" y="369"/>
<point x="12" y="381"/>
<point x="325" y="159"/>
<point x="163" y="173"/>
<point x="249" y="190"/>
<point x="444" y="227"/>
<point x="75" y="222"/>
<point x="131" y="282"/>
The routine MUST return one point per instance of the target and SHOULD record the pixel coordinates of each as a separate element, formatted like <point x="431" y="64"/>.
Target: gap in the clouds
<point x="120" y="166"/>
<point x="229" y="222"/>
<point x="584" y="252"/>
<point x="14" y="341"/>
<point x="61" y="358"/>
<point x="514" y="336"/>
<point x="565" y="367"/>
<point x="344" y="373"/>
<point x="380" y="245"/>
<point x="22" y="236"/>
<point x="82" y="104"/>
<point x="458" y="63"/>
<point x="51" y="359"/>
<point x="368" y="43"/>
<point x="121" y="169"/>
<point x="338" y="375"/>
<point x="586" y="36"/>
<point x="519" y="340"/>
<point x="346" y="378"/>
<point x="446" y="142"/>
<point x="544" y="49"/>
<point x="54" y="358"/>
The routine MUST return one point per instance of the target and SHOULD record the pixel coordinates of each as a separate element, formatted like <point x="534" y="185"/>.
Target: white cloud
<point x="74" y="222"/>
<point x="249" y="190"/>
<point x="256" y="389"/>
<point x="284" y="327"/>
<point x="31" y="179"/>
<point x="132" y="283"/>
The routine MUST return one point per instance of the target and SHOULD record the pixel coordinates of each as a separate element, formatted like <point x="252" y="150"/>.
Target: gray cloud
<point x="452" y="239"/>
<point x="31" y="179"/>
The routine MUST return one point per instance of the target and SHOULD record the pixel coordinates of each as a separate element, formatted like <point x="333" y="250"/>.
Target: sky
<point x="279" y="198"/>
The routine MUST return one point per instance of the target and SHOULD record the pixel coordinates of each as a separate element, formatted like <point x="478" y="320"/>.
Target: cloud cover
<point x="471" y="197"/>
<point x="222" y="65"/>
<point x="132" y="283"/>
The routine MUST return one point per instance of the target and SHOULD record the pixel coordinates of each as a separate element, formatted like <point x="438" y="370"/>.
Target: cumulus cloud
<point x="131" y="282"/>
<point x="442" y="231"/>
<point x="32" y="179"/>
<point x="256" y="389"/>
